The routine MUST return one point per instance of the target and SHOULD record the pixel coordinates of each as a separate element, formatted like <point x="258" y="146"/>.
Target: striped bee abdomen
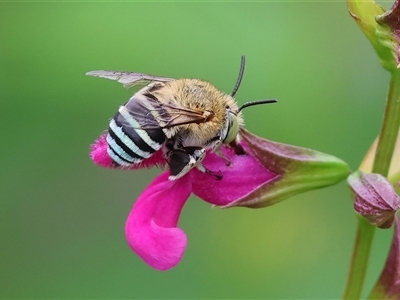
<point x="129" y="143"/>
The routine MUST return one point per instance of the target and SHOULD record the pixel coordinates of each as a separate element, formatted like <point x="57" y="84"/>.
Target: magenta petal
<point x="242" y="177"/>
<point x="151" y="226"/>
<point x="99" y="155"/>
<point x="156" y="160"/>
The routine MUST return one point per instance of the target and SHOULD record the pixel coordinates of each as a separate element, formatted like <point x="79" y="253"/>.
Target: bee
<point x="185" y="117"/>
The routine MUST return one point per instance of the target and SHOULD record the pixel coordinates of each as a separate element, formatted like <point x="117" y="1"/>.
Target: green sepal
<point x="300" y="170"/>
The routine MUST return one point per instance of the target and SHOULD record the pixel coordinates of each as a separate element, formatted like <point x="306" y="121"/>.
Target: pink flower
<point x="151" y="228"/>
<point x="268" y="173"/>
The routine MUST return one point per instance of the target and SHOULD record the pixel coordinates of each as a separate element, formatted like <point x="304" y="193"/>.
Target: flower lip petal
<point x="244" y="175"/>
<point x="99" y="155"/>
<point x="151" y="229"/>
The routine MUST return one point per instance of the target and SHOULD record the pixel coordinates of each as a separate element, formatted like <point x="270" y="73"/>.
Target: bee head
<point x="233" y="122"/>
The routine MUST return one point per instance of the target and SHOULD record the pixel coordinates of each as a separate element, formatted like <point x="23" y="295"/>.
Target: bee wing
<point x="180" y="115"/>
<point x="128" y="79"/>
<point x="150" y="113"/>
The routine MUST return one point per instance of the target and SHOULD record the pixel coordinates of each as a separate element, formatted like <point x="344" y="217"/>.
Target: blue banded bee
<point x="185" y="117"/>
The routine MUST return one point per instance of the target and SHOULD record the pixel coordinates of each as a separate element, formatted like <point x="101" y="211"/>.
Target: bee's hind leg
<point x="182" y="160"/>
<point x="203" y="169"/>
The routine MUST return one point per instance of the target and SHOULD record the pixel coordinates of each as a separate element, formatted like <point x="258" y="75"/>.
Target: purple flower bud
<point x="374" y="198"/>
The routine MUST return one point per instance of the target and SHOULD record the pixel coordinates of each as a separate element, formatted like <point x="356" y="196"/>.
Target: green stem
<point x="390" y="127"/>
<point x="383" y="157"/>
<point x="359" y="261"/>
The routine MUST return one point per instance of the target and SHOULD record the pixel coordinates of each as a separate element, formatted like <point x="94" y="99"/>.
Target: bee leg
<point x="203" y="169"/>
<point x="237" y="147"/>
<point x="197" y="152"/>
<point x="215" y="144"/>
<point x="182" y="160"/>
<point x="180" y="163"/>
<point x="222" y="155"/>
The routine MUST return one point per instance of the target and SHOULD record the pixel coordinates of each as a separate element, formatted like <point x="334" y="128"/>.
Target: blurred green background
<point x="62" y="218"/>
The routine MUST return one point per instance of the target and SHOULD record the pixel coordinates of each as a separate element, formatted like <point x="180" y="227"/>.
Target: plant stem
<point x="390" y="127"/>
<point x="383" y="157"/>
<point x="359" y="261"/>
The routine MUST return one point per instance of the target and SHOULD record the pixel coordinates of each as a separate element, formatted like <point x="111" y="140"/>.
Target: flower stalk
<point x="383" y="157"/>
<point x="390" y="127"/>
<point x="382" y="30"/>
<point x="359" y="259"/>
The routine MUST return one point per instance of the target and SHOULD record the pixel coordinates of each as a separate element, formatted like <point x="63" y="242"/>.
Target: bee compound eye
<point x="233" y="129"/>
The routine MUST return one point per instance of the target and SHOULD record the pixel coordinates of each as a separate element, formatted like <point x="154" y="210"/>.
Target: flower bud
<point x="374" y="198"/>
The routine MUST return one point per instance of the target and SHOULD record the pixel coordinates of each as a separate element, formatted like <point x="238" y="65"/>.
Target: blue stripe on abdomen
<point x="126" y="146"/>
<point x="120" y="151"/>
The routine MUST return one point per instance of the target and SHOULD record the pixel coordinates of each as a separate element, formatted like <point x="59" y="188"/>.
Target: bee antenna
<point x="257" y="102"/>
<point x="241" y="71"/>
